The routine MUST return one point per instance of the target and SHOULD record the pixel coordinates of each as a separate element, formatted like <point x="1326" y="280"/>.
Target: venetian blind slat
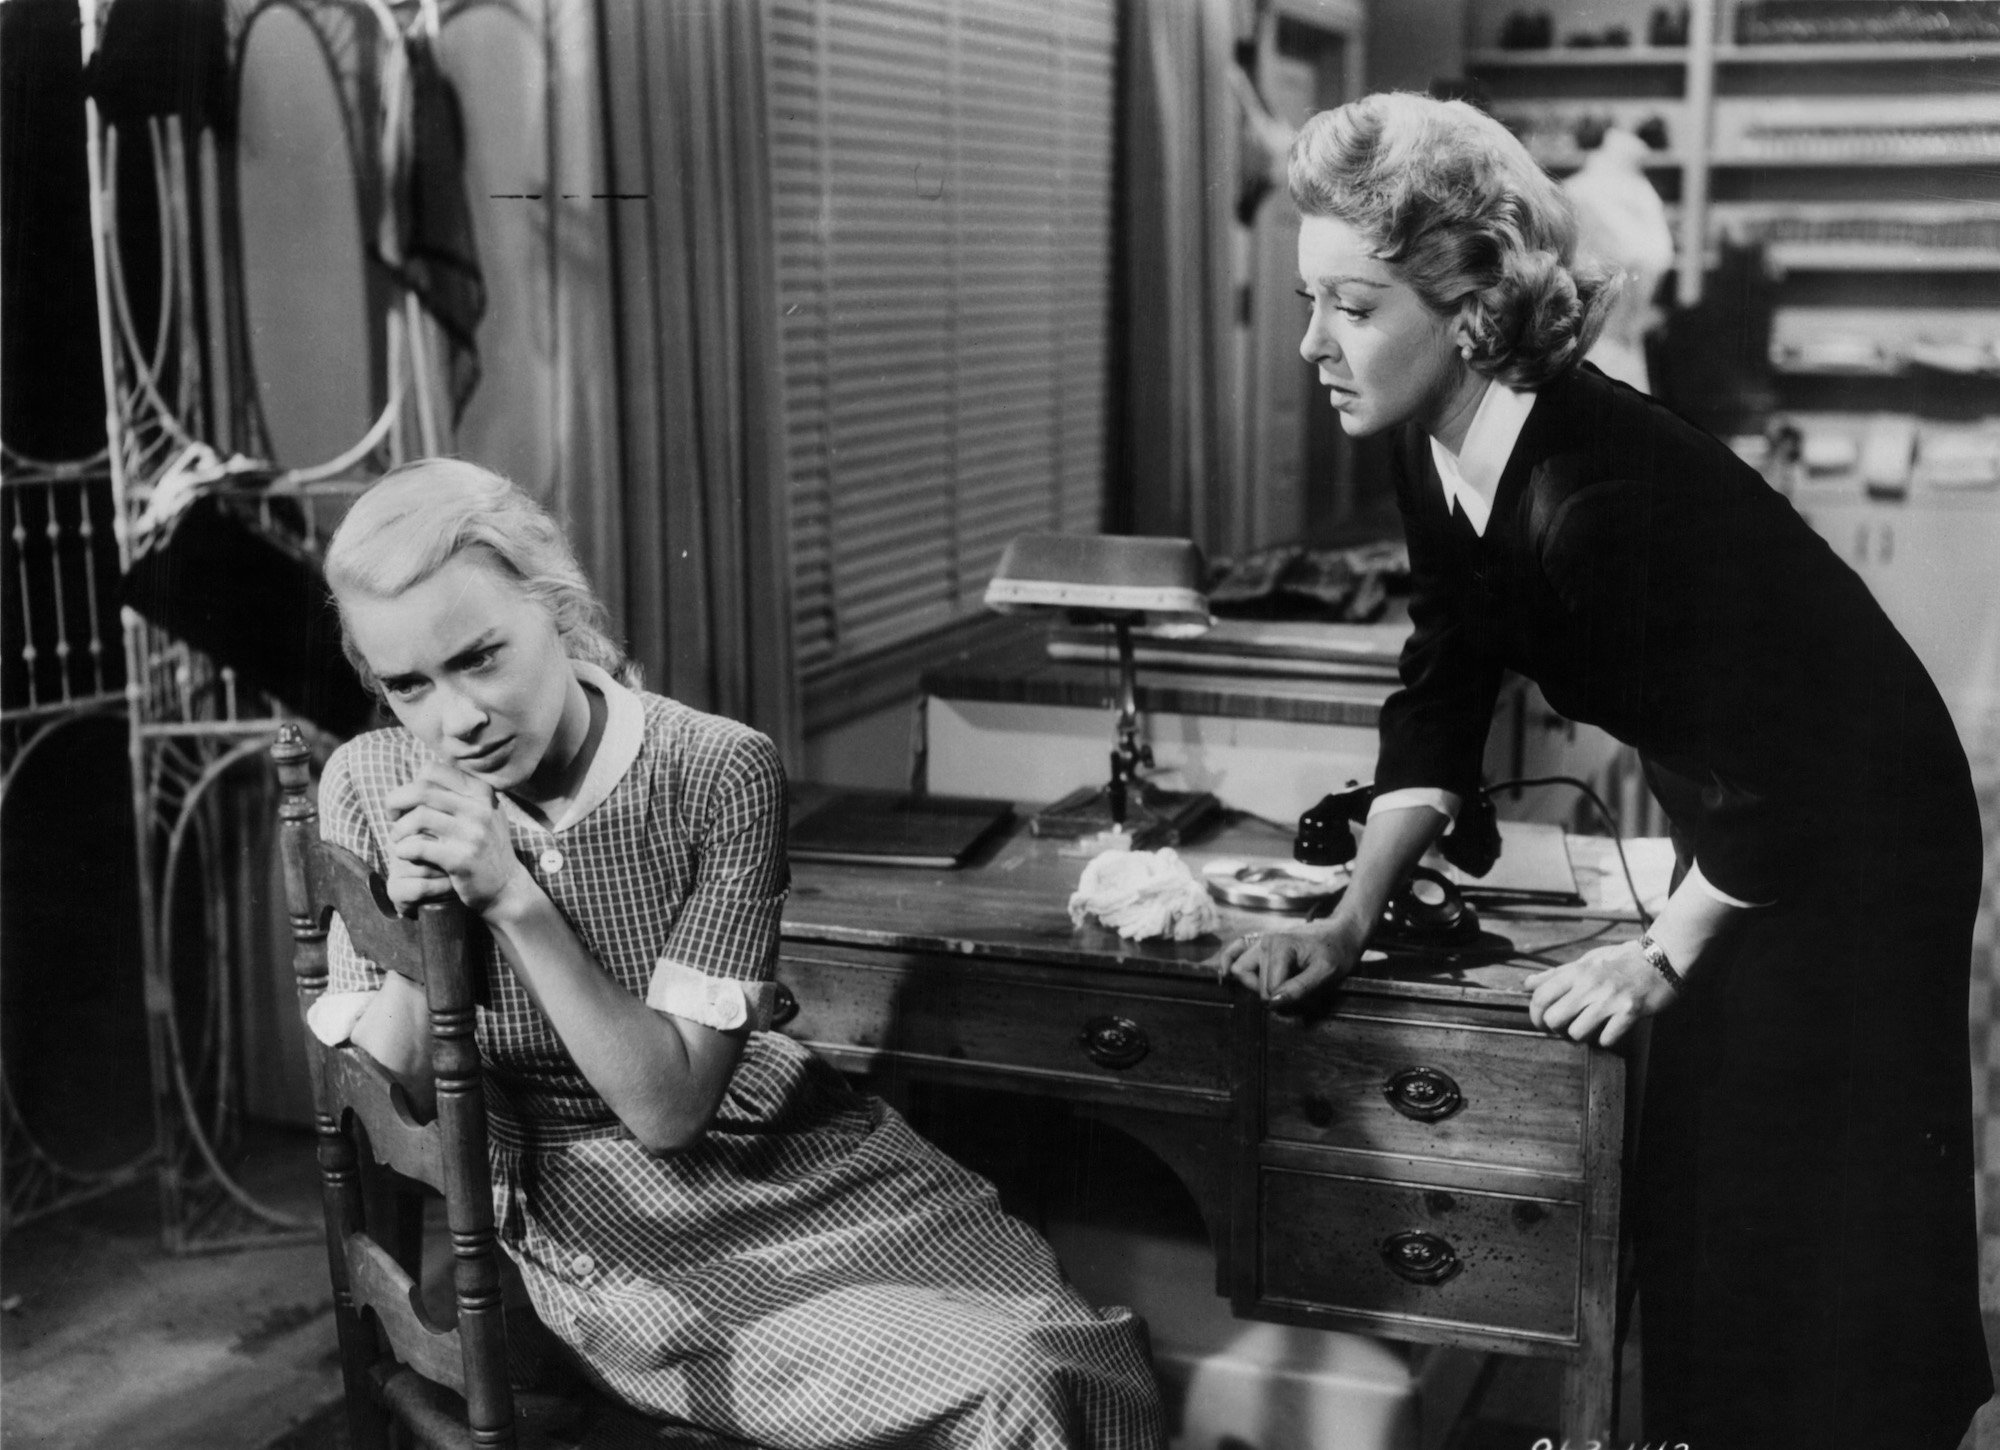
<point x="942" y="199"/>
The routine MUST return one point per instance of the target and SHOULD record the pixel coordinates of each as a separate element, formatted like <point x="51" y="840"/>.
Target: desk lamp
<point x="1121" y="581"/>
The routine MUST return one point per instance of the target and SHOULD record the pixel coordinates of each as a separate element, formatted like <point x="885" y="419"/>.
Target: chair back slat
<point x="379" y="1283"/>
<point x="344" y="884"/>
<point x="364" y="1088"/>
<point x="323" y="879"/>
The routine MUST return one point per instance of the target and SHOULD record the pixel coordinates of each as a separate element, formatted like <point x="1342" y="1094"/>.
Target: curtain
<point x="527" y="75"/>
<point x="705" y="603"/>
<point x="1179" y="468"/>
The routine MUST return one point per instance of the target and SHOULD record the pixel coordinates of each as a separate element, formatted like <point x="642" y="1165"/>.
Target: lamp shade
<point x="1148" y="581"/>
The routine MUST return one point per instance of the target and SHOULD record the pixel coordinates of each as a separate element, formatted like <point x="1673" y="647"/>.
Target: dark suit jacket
<point x="1802" y="1200"/>
<point x="1653" y="584"/>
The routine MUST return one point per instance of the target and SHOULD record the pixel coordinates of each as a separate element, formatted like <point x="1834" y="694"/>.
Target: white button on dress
<point x="552" y="860"/>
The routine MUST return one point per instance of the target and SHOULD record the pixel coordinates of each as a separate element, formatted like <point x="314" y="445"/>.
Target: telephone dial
<point x="1428" y="909"/>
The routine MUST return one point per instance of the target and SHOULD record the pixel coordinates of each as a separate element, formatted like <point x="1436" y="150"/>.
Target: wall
<point x="1412" y="42"/>
<point x="873" y="751"/>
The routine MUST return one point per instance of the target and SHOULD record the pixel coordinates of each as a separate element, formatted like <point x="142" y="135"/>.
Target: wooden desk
<point x="1416" y="1161"/>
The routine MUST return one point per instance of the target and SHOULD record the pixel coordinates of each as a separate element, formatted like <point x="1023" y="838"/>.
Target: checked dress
<point x="811" y="1273"/>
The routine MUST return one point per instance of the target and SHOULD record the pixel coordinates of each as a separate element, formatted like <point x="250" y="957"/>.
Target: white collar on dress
<point x="624" y="734"/>
<point x="1472" y="476"/>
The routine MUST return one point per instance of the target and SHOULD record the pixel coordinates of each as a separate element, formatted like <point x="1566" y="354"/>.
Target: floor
<point x="107" y="1342"/>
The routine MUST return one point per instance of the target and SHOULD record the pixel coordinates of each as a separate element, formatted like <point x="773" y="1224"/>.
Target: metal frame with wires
<point x="55" y="516"/>
<point x="38" y="1180"/>
<point x="183" y="418"/>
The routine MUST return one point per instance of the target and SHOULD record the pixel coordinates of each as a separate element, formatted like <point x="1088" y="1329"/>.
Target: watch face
<point x="1657" y="955"/>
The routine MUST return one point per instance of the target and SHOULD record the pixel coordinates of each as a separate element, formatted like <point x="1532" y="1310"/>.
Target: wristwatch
<point x="1657" y="955"/>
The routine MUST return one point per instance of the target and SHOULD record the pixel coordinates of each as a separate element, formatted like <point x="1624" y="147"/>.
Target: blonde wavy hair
<point x="1452" y="201"/>
<point x="421" y="515"/>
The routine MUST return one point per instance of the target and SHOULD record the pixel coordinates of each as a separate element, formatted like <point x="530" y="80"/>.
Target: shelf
<point x="1747" y="160"/>
<point x="1801" y="53"/>
<point x="1564" y="162"/>
<point x="1862" y="257"/>
<point x="1548" y="128"/>
<point x="1884" y="339"/>
<point x="1803" y="148"/>
<point x="1900" y="52"/>
<point x="1865" y="236"/>
<point x="1928" y="129"/>
<point x="1604" y="56"/>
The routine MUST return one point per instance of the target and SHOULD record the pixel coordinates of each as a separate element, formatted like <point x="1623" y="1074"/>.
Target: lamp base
<point x="1154" y="817"/>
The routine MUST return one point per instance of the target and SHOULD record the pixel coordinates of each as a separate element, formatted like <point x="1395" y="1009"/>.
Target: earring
<point x="1465" y="351"/>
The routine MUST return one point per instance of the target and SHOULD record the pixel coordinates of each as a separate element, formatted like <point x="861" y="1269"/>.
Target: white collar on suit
<point x="1472" y="476"/>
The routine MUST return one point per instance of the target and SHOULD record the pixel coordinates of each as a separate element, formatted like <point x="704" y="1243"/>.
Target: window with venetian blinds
<point x="943" y="209"/>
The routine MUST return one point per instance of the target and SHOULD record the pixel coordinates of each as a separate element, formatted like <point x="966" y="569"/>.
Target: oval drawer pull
<point x="784" y="1006"/>
<point x="1423" y="1093"/>
<point x="1114" y="1042"/>
<point x="1421" y="1258"/>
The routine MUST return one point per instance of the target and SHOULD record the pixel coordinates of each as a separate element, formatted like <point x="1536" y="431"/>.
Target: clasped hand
<point x="449" y="837"/>
<point x="1600" y="996"/>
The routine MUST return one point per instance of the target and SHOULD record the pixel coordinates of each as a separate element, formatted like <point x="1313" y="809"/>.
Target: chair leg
<point x="367" y="1425"/>
<point x="340" y="1186"/>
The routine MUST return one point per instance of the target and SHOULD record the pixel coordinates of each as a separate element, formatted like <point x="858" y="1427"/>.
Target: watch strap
<point x="1662" y="963"/>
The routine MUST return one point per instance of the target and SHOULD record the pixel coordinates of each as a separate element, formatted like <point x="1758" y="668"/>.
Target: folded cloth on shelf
<point x="1142" y="894"/>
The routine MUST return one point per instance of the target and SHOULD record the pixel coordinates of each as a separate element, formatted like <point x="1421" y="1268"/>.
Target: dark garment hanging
<point x="164" y="58"/>
<point x="235" y="591"/>
<point x="439" y="259"/>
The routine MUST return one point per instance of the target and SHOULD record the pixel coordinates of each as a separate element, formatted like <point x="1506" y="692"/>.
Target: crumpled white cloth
<point x="1143" y="894"/>
<point x="333" y="1014"/>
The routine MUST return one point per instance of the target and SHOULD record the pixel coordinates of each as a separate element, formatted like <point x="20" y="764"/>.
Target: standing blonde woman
<point x="1803" y="1194"/>
<point x="702" y="1210"/>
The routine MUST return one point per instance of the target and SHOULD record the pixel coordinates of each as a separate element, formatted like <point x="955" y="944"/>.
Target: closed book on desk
<point x="1533" y="868"/>
<point x="890" y="828"/>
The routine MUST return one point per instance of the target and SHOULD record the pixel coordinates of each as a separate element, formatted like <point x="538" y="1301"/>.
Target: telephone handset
<point x="1326" y="836"/>
<point x="1428" y="910"/>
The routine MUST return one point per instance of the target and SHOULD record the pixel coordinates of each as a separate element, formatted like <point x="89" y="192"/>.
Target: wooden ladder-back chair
<point x="371" y="1264"/>
<point x="446" y="1385"/>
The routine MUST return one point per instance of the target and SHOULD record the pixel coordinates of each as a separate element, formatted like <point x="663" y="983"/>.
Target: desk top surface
<point x="1012" y="900"/>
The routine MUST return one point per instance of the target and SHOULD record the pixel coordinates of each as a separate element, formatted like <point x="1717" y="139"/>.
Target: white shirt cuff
<point x="1703" y="884"/>
<point x="717" y="1002"/>
<point x="333" y="1014"/>
<point x="1444" y="802"/>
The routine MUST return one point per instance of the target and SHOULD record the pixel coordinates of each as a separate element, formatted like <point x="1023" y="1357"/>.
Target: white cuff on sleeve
<point x="333" y="1015"/>
<point x="1444" y="802"/>
<point x="717" y="1002"/>
<point x="1703" y="884"/>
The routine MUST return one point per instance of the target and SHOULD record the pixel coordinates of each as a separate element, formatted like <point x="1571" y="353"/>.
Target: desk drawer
<point x="964" y="1011"/>
<point x="1403" y="1086"/>
<point x="1412" y="1253"/>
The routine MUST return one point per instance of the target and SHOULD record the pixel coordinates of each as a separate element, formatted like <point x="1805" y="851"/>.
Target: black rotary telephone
<point x="1429" y="910"/>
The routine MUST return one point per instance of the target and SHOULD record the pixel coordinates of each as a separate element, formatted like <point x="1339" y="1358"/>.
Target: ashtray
<point x="1271" y="883"/>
